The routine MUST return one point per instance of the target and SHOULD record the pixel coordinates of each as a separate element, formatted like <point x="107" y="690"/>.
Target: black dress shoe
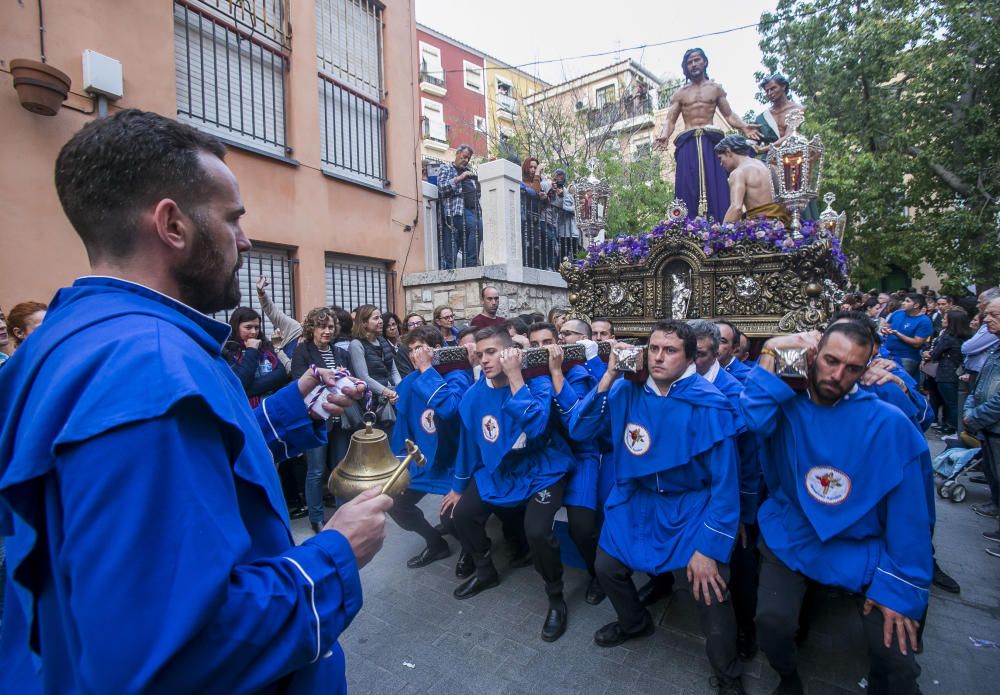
<point x="555" y="621"/>
<point x="728" y="686"/>
<point x="652" y="591"/>
<point x="612" y="634"/>
<point x="475" y="585"/>
<point x="746" y="643"/>
<point x="316" y="526"/>
<point x="465" y="566"/>
<point x="944" y="581"/>
<point x="427" y="556"/>
<point x="595" y="594"/>
<point x="297" y="512"/>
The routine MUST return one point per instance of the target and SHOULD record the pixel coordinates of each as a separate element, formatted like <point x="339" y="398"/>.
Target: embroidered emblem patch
<point x="637" y="439"/>
<point x="491" y="429"/>
<point x="828" y="485"/>
<point x="427" y="421"/>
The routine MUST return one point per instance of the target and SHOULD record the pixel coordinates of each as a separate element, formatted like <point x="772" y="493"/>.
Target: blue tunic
<point x="428" y="405"/>
<point x="737" y="369"/>
<point x="508" y="442"/>
<point x="148" y="546"/>
<point x="581" y="488"/>
<point x="748" y="445"/>
<point x="833" y="514"/>
<point x="675" y="460"/>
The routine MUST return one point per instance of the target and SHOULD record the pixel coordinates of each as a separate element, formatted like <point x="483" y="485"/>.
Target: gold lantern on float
<point x="799" y="165"/>
<point x="369" y="462"/>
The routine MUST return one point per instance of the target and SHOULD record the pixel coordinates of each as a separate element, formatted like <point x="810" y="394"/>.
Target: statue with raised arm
<point x="773" y="129"/>
<point x="751" y="188"/>
<point x="699" y="180"/>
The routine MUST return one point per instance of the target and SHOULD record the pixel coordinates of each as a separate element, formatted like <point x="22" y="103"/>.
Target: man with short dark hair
<point x="675" y="504"/>
<point x="193" y="583"/>
<point x="490" y="296"/>
<point x="510" y="454"/>
<point x="574" y="330"/>
<point x="729" y="339"/>
<point x="831" y="515"/>
<point x="427" y="415"/>
<point x="602" y="329"/>
<point x="906" y="332"/>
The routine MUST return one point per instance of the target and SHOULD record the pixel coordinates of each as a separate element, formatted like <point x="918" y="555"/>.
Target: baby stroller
<point x="955" y="462"/>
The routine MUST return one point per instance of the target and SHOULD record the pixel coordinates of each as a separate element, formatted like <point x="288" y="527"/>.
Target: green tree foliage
<point x="906" y="96"/>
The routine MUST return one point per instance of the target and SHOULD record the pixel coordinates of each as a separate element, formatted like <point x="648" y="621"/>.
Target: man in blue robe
<point x="675" y="505"/>
<point x="729" y="339"/>
<point x="148" y="545"/>
<point x="832" y="516"/>
<point x="510" y="454"/>
<point x="581" y="496"/>
<point x="428" y="416"/>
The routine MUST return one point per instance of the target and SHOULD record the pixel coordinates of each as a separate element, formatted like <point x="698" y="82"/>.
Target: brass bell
<point x="369" y="462"/>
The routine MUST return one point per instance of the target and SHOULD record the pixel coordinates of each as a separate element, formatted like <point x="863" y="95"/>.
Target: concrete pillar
<point x="501" y="203"/>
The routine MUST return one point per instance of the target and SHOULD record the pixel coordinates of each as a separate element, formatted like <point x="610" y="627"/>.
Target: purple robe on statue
<point x="688" y="176"/>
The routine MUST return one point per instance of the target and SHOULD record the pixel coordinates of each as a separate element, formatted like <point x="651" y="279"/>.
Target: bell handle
<point x="413" y="453"/>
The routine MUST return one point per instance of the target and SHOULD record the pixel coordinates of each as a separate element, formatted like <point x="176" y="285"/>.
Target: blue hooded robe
<point x="428" y="408"/>
<point x="676" y="466"/>
<point x="847" y="492"/>
<point x="508" y="442"/>
<point x="581" y="488"/>
<point x="148" y="546"/>
<point x="748" y="445"/>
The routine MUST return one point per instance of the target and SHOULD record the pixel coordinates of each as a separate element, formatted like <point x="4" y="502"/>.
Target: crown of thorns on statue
<point x="737" y="144"/>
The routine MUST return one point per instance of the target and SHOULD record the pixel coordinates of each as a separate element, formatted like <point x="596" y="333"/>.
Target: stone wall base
<point x="523" y="292"/>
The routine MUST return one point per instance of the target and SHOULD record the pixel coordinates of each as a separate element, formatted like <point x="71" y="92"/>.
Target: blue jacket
<point x="509" y="443"/>
<point x="581" y="487"/>
<point x="748" y="446"/>
<point x="675" y="461"/>
<point x="428" y="416"/>
<point x="148" y="545"/>
<point x="847" y="504"/>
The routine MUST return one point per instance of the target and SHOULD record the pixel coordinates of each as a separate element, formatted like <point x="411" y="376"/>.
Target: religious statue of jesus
<point x="751" y="187"/>
<point x="699" y="180"/>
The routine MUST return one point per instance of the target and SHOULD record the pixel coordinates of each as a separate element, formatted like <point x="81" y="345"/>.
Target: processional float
<point x="765" y="277"/>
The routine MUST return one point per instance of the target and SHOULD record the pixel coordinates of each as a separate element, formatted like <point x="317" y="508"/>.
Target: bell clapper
<point x="412" y="454"/>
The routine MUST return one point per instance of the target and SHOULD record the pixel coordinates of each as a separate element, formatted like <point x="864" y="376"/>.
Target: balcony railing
<point x="431" y="78"/>
<point x="547" y="233"/>
<point x="617" y="111"/>
<point x="507" y="103"/>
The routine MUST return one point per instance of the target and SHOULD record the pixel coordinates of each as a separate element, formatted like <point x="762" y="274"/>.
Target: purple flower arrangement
<point x="713" y="238"/>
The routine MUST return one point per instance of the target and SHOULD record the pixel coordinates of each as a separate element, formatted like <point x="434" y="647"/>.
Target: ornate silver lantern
<point x="799" y="164"/>
<point x="591" y="199"/>
<point x="830" y="222"/>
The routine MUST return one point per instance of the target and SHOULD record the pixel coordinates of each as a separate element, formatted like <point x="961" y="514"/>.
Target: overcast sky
<point x="523" y="31"/>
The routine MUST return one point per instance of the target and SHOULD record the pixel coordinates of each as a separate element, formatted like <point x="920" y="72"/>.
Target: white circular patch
<point x="427" y="421"/>
<point x="637" y="439"/>
<point x="828" y="485"/>
<point x="491" y="428"/>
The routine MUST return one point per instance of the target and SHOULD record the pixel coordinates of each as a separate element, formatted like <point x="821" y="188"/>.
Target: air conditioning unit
<point x="582" y="105"/>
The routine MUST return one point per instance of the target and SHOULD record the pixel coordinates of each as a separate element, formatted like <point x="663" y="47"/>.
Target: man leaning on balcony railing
<point x="458" y="192"/>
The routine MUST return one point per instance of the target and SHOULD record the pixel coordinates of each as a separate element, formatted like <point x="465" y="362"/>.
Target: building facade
<point x="321" y="129"/>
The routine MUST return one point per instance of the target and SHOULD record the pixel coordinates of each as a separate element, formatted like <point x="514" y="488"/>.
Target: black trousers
<point x="410" y="517"/>
<point x="744" y="568"/>
<point x="717" y="621"/>
<point x="778" y="604"/>
<point x="583" y="531"/>
<point x="470" y="518"/>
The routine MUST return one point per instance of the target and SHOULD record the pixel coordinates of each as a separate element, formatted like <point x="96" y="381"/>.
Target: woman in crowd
<point x="531" y="177"/>
<point x="316" y="348"/>
<point x="412" y="321"/>
<point x="391" y="330"/>
<point x="5" y="345"/>
<point x="947" y="352"/>
<point x="345" y="325"/>
<point x="557" y="316"/>
<point x="23" y="319"/>
<point x="372" y="360"/>
<point x="252" y="356"/>
<point x="444" y="319"/>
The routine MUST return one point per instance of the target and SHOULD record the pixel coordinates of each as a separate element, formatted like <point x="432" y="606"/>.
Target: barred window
<point x="231" y="59"/>
<point x="277" y="265"/>
<point x="352" y="114"/>
<point x="353" y="281"/>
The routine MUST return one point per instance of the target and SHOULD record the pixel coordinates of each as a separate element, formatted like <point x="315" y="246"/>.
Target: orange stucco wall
<point x="297" y="207"/>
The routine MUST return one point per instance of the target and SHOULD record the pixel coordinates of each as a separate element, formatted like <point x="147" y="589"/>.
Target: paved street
<point x="413" y="637"/>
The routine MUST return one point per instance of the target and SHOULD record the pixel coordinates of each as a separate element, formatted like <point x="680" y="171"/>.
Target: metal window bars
<point x="275" y="263"/>
<point x="351" y="282"/>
